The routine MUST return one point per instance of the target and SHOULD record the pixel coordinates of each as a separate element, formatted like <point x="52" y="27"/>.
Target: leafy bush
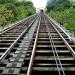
<point x="65" y="15"/>
<point x="6" y="16"/>
<point x="13" y="10"/>
<point x="65" y="18"/>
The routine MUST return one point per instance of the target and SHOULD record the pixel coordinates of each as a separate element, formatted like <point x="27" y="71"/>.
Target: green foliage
<point x="6" y="1"/>
<point x="2" y="21"/>
<point x="64" y="13"/>
<point x="58" y="4"/>
<point x="27" y="3"/>
<point x="6" y="16"/>
<point x="65" y="18"/>
<point x="25" y="10"/>
<point x="13" y="10"/>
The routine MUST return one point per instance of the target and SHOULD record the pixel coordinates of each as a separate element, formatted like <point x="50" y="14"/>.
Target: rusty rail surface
<point x="38" y="47"/>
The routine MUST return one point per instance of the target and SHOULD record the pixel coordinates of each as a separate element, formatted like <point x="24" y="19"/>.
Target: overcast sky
<point x="39" y="3"/>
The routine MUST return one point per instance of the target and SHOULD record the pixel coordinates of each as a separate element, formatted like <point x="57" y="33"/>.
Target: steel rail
<point x="57" y="24"/>
<point x="16" y="24"/>
<point x="29" y="71"/>
<point x="65" y="42"/>
<point x="14" y="43"/>
<point x="55" y="51"/>
<point x="58" y="57"/>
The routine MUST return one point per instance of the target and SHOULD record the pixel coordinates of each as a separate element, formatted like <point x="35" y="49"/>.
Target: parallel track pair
<point x="36" y="47"/>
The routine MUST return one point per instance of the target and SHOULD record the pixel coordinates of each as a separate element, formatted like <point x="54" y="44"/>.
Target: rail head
<point x="33" y="52"/>
<point x="58" y="25"/>
<point x="56" y="57"/>
<point x="14" y="25"/>
<point x="65" y="42"/>
<point x="14" y="43"/>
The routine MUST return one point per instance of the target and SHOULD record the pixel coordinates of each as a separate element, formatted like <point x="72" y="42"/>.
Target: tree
<point x="7" y="16"/>
<point x="27" y="3"/>
<point x="12" y="8"/>
<point x="58" y="4"/>
<point x="2" y="21"/>
<point x="7" y="1"/>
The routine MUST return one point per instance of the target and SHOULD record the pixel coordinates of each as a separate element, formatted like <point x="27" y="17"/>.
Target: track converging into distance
<point x="36" y="46"/>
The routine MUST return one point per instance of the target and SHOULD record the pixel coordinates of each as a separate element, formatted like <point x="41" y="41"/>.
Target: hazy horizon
<point x="39" y="3"/>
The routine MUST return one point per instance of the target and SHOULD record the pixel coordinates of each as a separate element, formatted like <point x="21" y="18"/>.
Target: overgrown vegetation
<point x="13" y="10"/>
<point x="63" y="12"/>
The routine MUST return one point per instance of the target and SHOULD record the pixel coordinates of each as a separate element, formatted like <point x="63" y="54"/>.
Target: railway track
<point x="36" y="47"/>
